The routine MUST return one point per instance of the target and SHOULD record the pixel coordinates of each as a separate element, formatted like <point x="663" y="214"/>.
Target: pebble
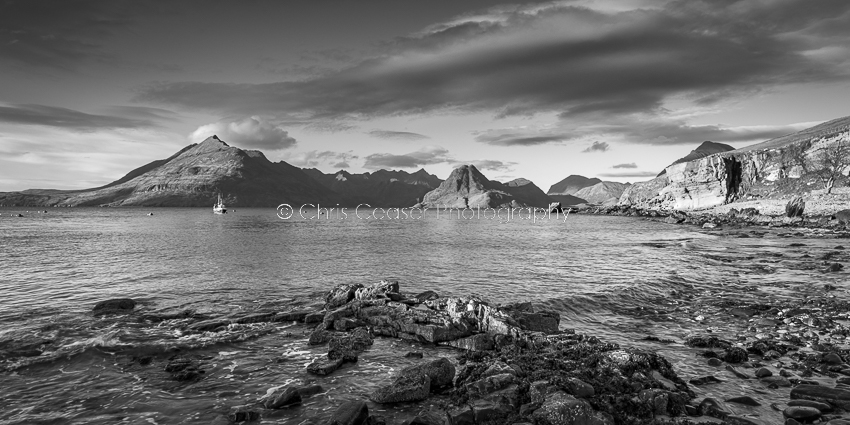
<point x="763" y="373"/>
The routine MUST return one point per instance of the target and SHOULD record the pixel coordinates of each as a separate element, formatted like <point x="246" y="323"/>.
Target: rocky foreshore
<point x="516" y="364"/>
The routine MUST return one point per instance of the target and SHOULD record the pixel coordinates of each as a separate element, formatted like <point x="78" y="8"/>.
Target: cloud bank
<point x="250" y="132"/>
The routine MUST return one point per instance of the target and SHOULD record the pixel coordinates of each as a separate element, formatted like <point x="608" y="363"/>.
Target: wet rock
<point x="350" y="413"/>
<point x="185" y="368"/>
<point x="834" y="267"/>
<point x="478" y="342"/>
<point x="324" y="366"/>
<point x="735" y="355"/>
<point x="822" y="407"/>
<point x="735" y="371"/>
<point x="426" y="296"/>
<point x="382" y="289"/>
<point x="839" y="422"/>
<point x="315" y="317"/>
<point x="348" y="346"/>
<point x="778" y="381"/>
<point x="802" y="414"/>
<point x="243" y="414"/>
<point x="414" y="355"/>
<point x="114" y="306"/>
<point x="441" y="372"/>
<point x="833" y="359"/>
<point x="795" y="207"/>
<point x="763" y="372"/>
<point x="742" y="312"/>
<point x="701" y="341"/>
<point x="310" y="390"/>
<point x="715" y="362"/>
<point x="563" y="409"/>
<point x="834" y="396"/>
<point x="431" y="417"/>
<point x="319" y="336"/>
<point x="485" y="411"/>
<point x="406" y="387"/>
<point x="745" y="400"/>
<point x="340" y="295"/>
<point x="283" y="397"/>
<point x="581" y="389"/>
<point x="256" y="318"/>
<point x="212" y="325"/>
<point x="713" y="408"/>
<point x="843" y="216"/>
<point x="705" y="380"/>
<point x="291" y="316"/>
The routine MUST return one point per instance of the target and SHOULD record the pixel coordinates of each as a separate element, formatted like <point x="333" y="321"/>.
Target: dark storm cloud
<point x="490" y="164"/>
<point x="66" y="118"/>
<point x="60" y="34"/>
<point x="597" y="147"/>
<point x="397" y="135"/>
<point x="629" y="165"/>
<point x="564" y="59"/>
<point x="512" y="138"/>
<point x="425" y="156"/>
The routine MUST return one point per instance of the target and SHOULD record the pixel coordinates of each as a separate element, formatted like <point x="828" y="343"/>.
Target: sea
<point x="622" y="279"/>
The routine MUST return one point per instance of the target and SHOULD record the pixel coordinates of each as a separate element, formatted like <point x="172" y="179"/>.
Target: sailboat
<point x="219" y="208"/>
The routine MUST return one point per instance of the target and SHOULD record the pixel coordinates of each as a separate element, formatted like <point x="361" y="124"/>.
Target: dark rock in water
<point x="414" y="355"/>
<point x="114" y="306"/>
<point x="745" y="400"/>
<point x="715" y="362"/>
<point x="441" y="372"/>
<point x="832" y="359"/>
<point x="737" y="372"/>
<point x="802" y="414"/>
<point x="316" y="317"/>
<point x="834" y="267"/>
<point x="349" y="346"/>
<point x="319" y="336"/>
<point x="834" y="396"/>
<point x="185" y="368"/>
<point x="213" y="325"/>
<point x="763" y="372"/>
<point x="822" y="407"/>
<point x="243" y="414"/>
<point x="561" y="408"/>
<point x="285" y="397"/>
<point x="735" y="355"/>
<point x="705" y="380"/>
<point x="700" y="341"/>
<point x="310" y="390"/>
<point x="795" y="207"/>
<point x="256" y="318"/>
<point x="324" y="366"/>
<point x="742" y="312"/>
<point x="713" y="408"/>
<point x="291" y="316"/>
<point x="350" y="413"/>
<point x="407" y="387"/>
<point x="340" y="295"/>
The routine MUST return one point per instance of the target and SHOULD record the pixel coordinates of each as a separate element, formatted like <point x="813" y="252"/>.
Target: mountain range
<point x="381" y="188"/>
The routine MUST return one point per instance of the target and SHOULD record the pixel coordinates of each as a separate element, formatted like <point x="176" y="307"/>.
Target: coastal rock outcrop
<point x="466" y="187"/>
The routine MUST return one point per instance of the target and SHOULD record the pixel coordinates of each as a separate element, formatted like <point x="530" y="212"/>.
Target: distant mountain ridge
<point x="603" y="193"/>
<point x="382" y="188"/>
<point x="194" y="177"/>
<point x="571" y="185"/>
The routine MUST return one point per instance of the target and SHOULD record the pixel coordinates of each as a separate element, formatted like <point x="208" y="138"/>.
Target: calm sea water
<point x="615" y="277"/>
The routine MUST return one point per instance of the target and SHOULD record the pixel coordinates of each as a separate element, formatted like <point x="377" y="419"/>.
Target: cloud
<point x="597" y="147"/>
<point x="424" y="156"/>
<point x="629" y="165"/>
<point x="512" y="138"/>
<point x="315" y="158"/>
<point x="561" y="58"/>
<point x="490" y="164"/>
<point x="250" y="132"/>
<point x="397" y="135"/>
<point x="627" y="174"/>
<point x="53" y="116"/>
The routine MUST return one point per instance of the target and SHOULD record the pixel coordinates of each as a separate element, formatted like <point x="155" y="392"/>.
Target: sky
<point x="615" y="89"/>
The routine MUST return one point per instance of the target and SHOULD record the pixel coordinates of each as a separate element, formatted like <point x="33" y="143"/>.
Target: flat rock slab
<point x="836" y="397"/>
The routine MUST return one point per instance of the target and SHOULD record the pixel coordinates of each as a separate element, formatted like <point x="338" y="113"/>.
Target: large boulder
<point x="349" y="345"/>
<point x="795" y="207"/>
<point x="563" y="409"/>
<point x="350" y="413"/>
<point x="440" y="371"/>
<point x="283" y="397"/>
<point x="407" y="387"/>
<point x="340" y="295"/>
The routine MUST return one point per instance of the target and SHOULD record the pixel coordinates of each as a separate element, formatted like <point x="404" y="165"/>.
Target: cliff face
<point x="466" y="187"/>
<point x="729" y="176"/>
<point x="194" y="177"/>
<point x="379" y="189"/>
<point x="703" y="150"/>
